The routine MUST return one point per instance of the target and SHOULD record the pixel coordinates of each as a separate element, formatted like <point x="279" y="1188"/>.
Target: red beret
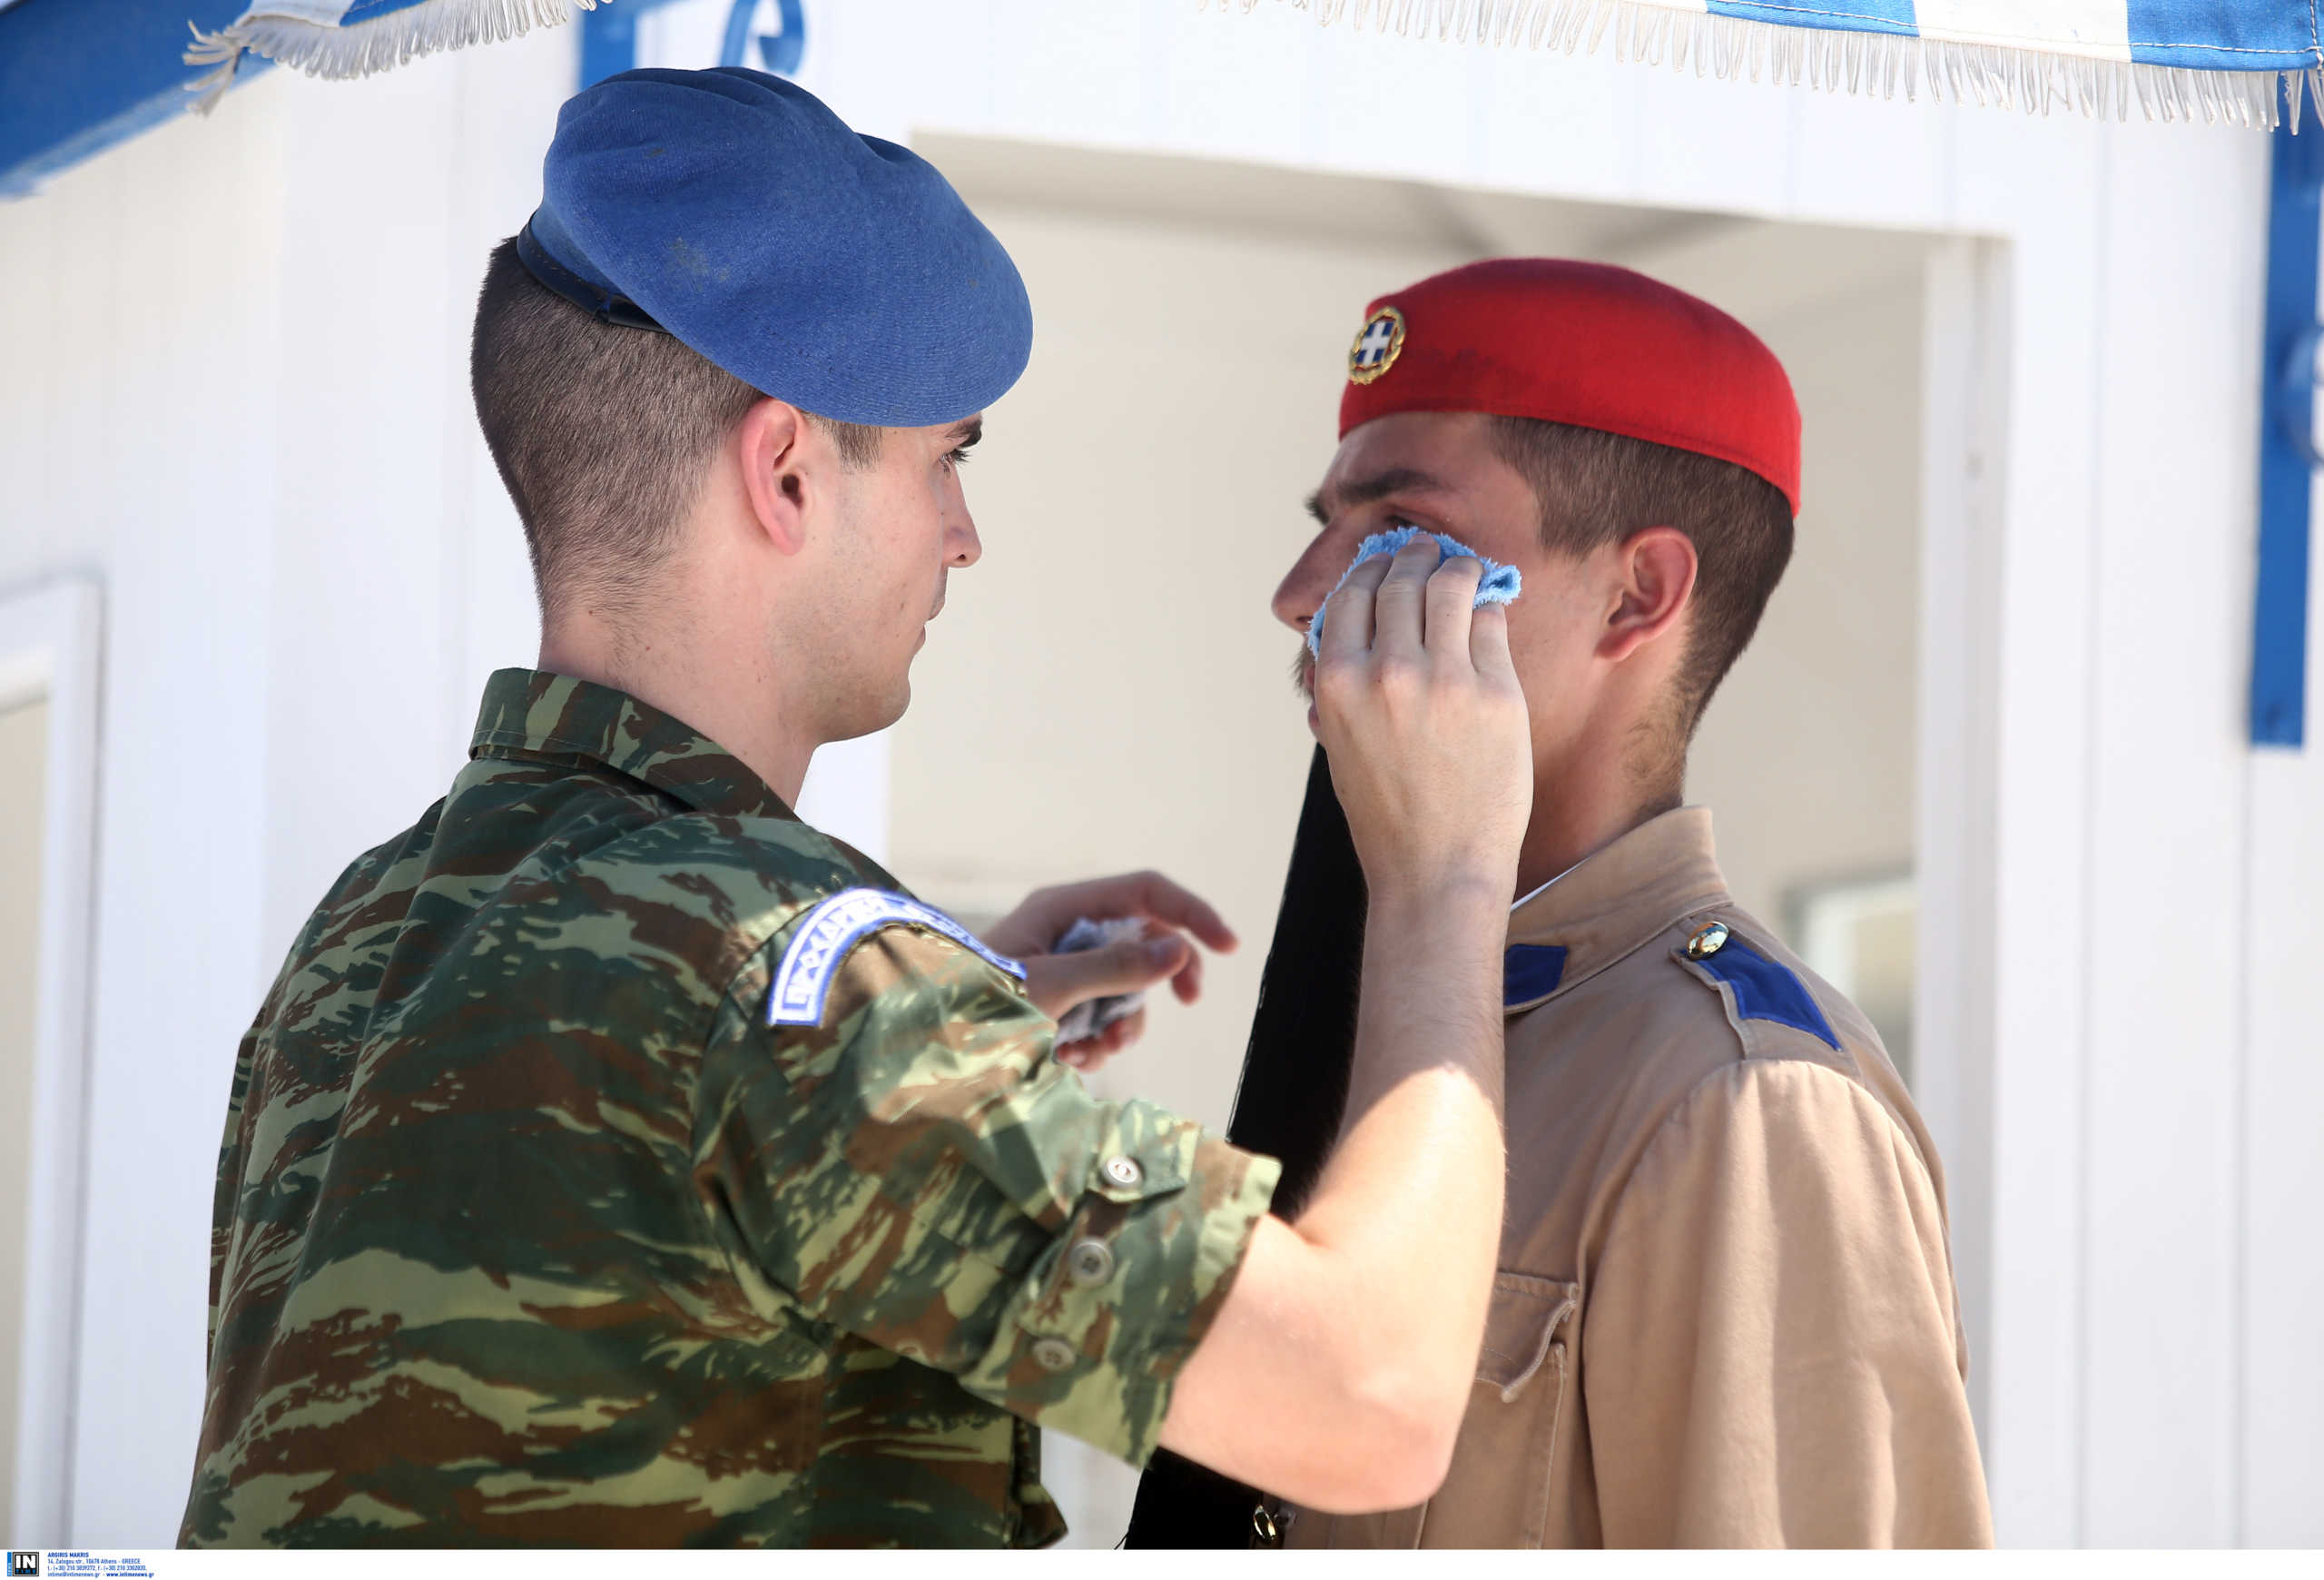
<point x="1583" y="343"/>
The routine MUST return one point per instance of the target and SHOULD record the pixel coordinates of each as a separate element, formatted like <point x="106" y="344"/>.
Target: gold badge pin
<point x="1707" y="941"/>
<point x="1377" y="346"/>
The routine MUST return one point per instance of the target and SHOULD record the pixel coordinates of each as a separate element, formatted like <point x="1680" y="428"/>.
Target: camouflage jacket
<point x="617" y="1161"/>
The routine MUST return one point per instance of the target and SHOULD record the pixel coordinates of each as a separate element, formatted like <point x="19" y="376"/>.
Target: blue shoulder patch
<point x="1530" y="971"/>
<point x="1766" y="990"/>
<point x="824" y="935"/>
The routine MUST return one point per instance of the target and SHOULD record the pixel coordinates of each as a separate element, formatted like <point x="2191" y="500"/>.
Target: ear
<point x="772" y="449"/>
<point x="1654" y="581"/>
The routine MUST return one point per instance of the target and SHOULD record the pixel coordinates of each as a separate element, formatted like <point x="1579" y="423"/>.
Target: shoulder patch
<point x="1766" y="989"/>
<point x="820" y="941"/>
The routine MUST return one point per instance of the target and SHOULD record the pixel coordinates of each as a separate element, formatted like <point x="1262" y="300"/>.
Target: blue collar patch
<point x="1530" y="971"/>
<point x="1767" y="991"/>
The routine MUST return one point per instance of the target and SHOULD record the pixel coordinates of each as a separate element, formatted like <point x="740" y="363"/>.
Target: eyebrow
<point x="1378" y="486"/>
<point x="966" y="432"/>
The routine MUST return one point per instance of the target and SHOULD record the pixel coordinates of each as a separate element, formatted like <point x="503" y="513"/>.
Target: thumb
<point x="1057" y="982"/>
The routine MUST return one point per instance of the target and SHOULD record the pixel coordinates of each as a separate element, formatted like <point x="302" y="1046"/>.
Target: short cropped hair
<point x="1596" y="489"/>
<point x="603" y="433"/>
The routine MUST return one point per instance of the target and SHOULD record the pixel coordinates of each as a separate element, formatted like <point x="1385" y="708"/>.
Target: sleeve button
<point x="1089" y="1262"/>
<point x="1052" y="1354"/>
<point x="1123" y="1171"/>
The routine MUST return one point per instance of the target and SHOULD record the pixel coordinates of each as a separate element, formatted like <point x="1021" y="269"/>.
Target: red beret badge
<point x="1377" y="346"/>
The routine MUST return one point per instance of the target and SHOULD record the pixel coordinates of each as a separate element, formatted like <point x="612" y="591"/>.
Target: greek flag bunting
<point x="2240" y="61"/>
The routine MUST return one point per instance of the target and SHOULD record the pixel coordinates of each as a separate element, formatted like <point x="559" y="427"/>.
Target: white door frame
<point x="49" y="652"/>
<point x="1964" y="440"/>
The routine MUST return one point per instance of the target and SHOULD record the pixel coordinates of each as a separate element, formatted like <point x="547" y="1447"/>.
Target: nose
<point x="963" y="547"/>
<point x="1307" y="584"/>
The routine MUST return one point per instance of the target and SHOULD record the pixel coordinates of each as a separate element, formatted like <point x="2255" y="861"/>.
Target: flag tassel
<point x="2036" y="81"/>
<point x="358" y="49"/>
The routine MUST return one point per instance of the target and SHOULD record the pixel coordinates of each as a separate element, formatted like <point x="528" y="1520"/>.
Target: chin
<point x="892" y="709"/>
<point x="870" y="718"/>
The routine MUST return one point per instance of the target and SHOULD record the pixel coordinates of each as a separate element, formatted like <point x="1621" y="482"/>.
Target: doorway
<point x="23" y="777"/>
<point x="48" y="745"/>
<point x="1106" y="690"/>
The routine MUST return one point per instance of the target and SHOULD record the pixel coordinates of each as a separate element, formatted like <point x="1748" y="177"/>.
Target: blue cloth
<point x="1530" y="971"/>
<point x="732" y="209"/>
<point x="1767" y="991"/>
<point x="1500" y="585"/>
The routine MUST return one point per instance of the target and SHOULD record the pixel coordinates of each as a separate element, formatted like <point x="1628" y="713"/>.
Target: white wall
<point x="234" y="393"/>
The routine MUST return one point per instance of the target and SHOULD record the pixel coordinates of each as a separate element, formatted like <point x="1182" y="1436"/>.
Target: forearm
<point x="1417" y="1179"/>
<point x="1337" y="1369"/>
<point x="1354" y="1334"/>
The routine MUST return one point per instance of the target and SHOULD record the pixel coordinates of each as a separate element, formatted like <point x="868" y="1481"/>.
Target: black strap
<point x="602" y="305"/>
<point x="1295" y="1084"/>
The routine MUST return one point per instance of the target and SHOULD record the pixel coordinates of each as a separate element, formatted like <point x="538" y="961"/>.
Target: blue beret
<point x="733" y="210"/>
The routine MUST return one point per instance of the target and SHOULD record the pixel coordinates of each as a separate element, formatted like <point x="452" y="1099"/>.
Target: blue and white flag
<point x="2242" y="61"/>
<point x="354" y="38"/>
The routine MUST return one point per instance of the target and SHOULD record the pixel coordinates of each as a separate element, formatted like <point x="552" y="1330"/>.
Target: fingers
<point x="1451" y="604"/>
<point x="1159" y="900"/>
<point x="1348" y="614"/>
<point x="1091" y="1053"/>
<point x="1057" y="982"/>
<point x="1423" y="600"/>
<point x="1398" y="609"/>
<point x="1187" y="986"/>
<point x="1121" y="1034"/>
<point x="1489" y="642"/>
<point x="1148" y="895"/>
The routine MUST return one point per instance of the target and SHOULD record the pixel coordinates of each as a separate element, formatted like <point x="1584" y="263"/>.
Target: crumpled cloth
<point x="1501" y="583"/>
<point x="1092" y="1016"/>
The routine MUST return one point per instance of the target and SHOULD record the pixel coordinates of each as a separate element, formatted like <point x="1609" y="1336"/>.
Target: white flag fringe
<point x="1727" y="47"/>
<point x="311" y="37"/>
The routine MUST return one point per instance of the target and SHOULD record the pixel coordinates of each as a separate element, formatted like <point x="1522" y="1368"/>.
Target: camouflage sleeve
<point x="234" y="1148"/>
<point x="917" y="1170"/>
<point x="226" y="1193"/>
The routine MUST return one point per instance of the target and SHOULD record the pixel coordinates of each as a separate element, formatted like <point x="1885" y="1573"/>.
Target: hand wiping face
<point x="1418" y="709"/>
<point x="1500" y="584"/>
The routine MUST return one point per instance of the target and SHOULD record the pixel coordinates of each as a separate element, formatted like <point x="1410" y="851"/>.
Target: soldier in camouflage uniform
<point x="618" y="1160"/>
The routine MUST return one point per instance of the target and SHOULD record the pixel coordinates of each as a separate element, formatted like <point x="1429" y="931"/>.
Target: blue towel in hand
<point x="1094" y="1016"/>
<point x="1500" y="585"/>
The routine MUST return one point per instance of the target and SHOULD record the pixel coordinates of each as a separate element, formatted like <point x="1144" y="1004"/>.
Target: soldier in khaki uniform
<point x="1724" y="1311"/>
<point x="618" y="1160"/>
<point x="1724" y="1314"/>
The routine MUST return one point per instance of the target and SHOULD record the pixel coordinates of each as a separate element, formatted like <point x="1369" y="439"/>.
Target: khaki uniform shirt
<point x="1725" y="1313"/>
<point x="619" y="1161"/>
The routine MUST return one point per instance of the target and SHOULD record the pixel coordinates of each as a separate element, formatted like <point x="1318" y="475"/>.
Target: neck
<point x="692" y="670"/>
<point x="1584" y="800"/>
